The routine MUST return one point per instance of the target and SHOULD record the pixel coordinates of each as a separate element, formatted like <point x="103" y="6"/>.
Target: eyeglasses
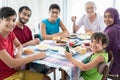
<point x="54" y="12"/>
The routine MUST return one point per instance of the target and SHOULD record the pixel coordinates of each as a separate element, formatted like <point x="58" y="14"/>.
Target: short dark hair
<point x="6" y="12"/>
<point x="24" y="7"/>
<point x="100" y="36"/>
<point x="54" y="6"/>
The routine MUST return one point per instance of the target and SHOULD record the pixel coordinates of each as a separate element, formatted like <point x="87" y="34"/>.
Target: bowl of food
<point x="62" y="42"/>
<point x="42" y="47"/>
<point x="57" y="48"/>
<point x="72" y="36"/>
<point x="56" y="38"/>
<point x="84" y="36"/>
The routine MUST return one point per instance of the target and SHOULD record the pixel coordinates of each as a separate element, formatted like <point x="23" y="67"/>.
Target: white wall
<point x="68" y="8"/>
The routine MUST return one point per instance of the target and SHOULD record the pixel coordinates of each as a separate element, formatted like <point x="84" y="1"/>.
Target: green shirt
<point x="93" y="73"/>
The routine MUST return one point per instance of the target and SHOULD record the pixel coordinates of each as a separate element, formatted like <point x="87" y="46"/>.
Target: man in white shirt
<point x="92" y="21"/>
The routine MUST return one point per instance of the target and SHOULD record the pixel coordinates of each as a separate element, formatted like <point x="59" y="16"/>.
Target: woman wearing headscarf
<point x="112" y="21"/>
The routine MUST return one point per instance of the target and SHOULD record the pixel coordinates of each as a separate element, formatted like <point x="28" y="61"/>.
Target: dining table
<point x="56" y="59"/>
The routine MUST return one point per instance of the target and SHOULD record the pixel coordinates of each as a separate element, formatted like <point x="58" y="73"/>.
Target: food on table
<point x="28" y="51"/>
<point x="57" y="48"/>
<point x="89" y="33"/>
<point x="65" y="39"/>
<point x="62" y="41"/>
<point x="84" y="36"/>
<point x="87" y="44"/>
<point x="77" y="49"/>
<point x="56" y="38"/>
<point x="81" y="50"/>
<point x="43" y="47"/>
<point x="73" y="36"/>
<point x="71" y="43"/>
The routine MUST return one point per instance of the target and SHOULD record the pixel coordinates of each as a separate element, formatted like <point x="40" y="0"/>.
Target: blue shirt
<point x="52" y="28"/>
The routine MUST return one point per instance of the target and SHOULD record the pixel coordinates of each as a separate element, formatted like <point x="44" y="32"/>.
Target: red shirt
<point x="7" y="44"/>
<point x="24" y="35"/>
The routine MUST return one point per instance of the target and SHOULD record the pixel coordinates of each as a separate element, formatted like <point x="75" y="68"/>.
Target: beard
<point x="22" y="21"/>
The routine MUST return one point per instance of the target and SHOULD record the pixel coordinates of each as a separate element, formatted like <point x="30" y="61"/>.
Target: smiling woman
<point x="70" y="8"/>
<point x="112" y="21"/>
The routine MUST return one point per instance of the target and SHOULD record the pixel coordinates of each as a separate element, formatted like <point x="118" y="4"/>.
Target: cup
<point x="87" y="44"/>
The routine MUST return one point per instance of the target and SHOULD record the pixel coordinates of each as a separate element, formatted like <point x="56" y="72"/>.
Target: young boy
<point x="99" y="42"/>
<point x="9" y="61"/>
<point x="49" y="27"/>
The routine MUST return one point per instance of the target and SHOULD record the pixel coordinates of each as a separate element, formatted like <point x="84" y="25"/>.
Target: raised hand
<point x="73" y="18"/>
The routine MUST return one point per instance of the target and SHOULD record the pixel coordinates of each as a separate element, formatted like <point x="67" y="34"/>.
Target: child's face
<point x="54" y="13"/>
<point x="8" y="24"/>
<point x="97" y="46"/>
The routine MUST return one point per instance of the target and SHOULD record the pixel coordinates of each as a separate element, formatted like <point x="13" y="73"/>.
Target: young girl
<point x="8" y="61"/>
<point x="99" y="42"/>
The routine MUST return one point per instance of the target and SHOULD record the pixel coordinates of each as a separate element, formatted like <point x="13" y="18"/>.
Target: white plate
<point x="57" y="48"/>
<point x="42" y="47"/>
<point x="84" y="36"/>
<point x="72" y="36"/>
<point x="71" y="50"/>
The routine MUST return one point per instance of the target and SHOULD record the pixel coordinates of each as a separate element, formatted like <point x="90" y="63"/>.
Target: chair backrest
<point x="38" y="35"/>
<point x="104" y="68"/>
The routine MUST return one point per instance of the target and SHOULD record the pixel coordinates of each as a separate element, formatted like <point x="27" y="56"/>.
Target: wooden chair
<point x="104" y="68"/>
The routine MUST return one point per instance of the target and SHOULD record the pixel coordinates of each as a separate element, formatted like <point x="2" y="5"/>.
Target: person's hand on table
<point x="40" y="55"/>
<point x="36" y="41"/>
<point x="68" y="55"/>
<point x="65" y="34"/>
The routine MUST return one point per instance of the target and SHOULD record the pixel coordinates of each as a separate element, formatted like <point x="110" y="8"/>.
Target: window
<point x="117" y="5"/>
<point x="3" y="3"/>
